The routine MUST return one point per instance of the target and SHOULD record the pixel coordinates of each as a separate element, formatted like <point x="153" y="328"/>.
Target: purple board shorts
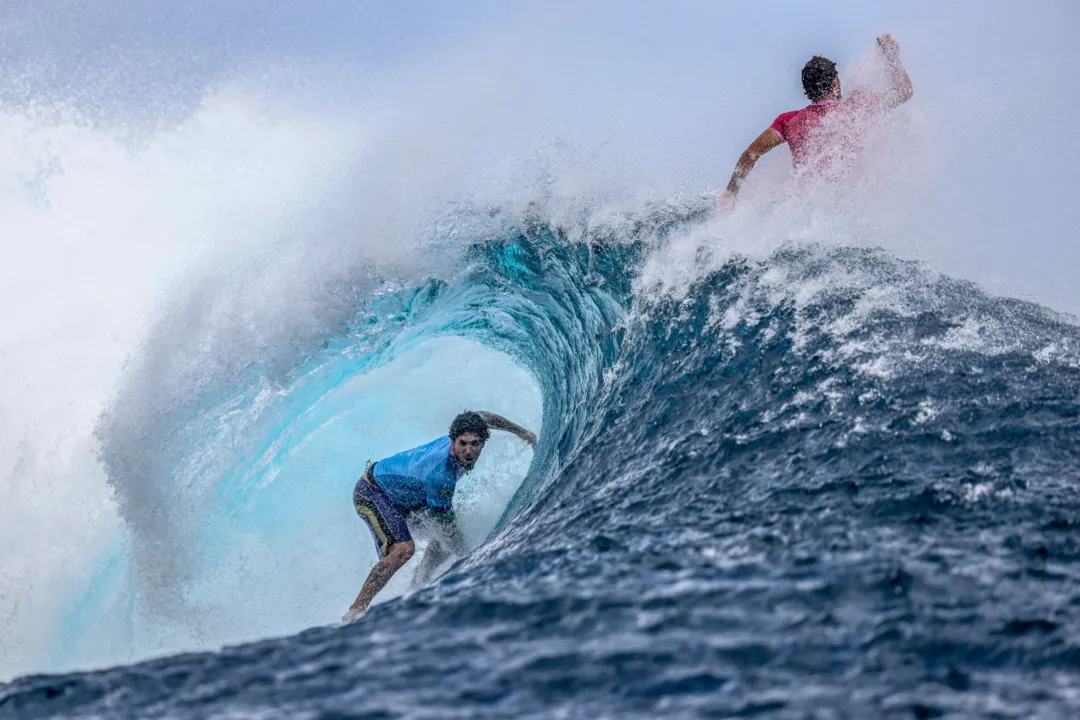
<point x="384" y="518"/>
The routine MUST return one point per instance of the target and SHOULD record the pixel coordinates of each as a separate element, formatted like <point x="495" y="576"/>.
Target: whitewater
<point x="816" y="458"/>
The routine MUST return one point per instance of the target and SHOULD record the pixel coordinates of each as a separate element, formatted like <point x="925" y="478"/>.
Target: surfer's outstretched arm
<point x="764" y="142"/>
<point x="900" y="87"/>
<point x="498" y="422"/>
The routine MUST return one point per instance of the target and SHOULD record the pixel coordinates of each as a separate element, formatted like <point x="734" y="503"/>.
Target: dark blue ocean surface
<point x="831" y="484"/>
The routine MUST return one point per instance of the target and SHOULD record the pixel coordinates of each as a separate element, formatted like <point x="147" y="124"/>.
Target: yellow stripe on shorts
<point x="377" y="524"/>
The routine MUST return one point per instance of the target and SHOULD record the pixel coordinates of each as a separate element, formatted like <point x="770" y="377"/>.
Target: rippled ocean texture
<point x="826" y="484"/>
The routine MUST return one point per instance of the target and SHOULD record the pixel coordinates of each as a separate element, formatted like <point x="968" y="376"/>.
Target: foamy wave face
<point x="96" y="226"/>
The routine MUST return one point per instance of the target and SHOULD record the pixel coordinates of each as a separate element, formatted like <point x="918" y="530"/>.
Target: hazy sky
<point x="680" y="87"/>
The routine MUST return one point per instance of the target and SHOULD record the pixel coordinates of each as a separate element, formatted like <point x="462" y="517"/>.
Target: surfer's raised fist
<point x="889" y="46"/>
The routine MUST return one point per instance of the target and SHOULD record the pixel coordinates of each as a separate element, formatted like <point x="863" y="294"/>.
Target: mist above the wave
<point x="97" y="228"/>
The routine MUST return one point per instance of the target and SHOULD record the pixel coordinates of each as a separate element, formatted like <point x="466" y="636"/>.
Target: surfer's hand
<point x="351" y="615"/>
<point x="529" y="437"/>
<point x="889" y="47"/>
<point x="726" y="202"/>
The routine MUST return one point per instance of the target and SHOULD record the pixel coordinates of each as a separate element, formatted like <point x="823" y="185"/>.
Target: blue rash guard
<point x="422" y="477"/>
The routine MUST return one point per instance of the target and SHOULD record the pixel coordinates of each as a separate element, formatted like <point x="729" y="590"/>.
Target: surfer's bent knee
<point x="402" y="552"/>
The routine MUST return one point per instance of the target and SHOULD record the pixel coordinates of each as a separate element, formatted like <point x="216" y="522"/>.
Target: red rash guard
<point x="809" y="136"/>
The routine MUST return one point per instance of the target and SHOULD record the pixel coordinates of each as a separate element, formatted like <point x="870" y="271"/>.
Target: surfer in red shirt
<point x="818" y="133"/>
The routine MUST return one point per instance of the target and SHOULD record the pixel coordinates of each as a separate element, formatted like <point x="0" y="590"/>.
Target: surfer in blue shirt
<point x="423" y="478"/>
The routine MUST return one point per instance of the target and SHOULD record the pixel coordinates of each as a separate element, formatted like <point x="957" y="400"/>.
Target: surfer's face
<point x="836" y="86"/>
<point x="466" y="449"/>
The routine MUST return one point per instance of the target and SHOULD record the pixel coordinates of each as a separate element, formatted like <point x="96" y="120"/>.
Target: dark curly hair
<point x="469" y="422"/>
<point x="817" y="77"/>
